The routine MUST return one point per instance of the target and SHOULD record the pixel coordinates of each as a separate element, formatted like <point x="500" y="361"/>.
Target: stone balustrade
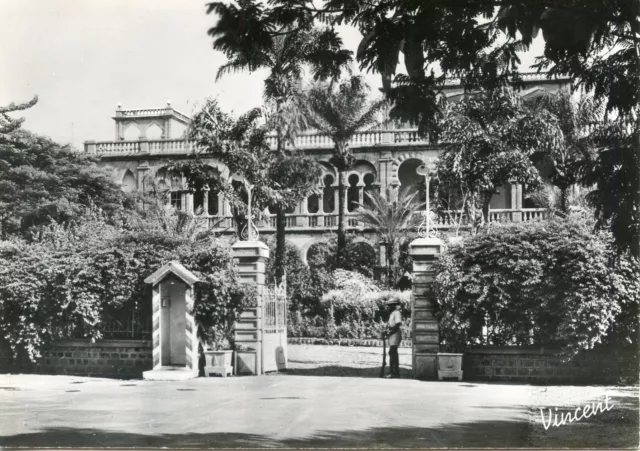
<point x="308" y="141"/>
<point x="329" y="221"/>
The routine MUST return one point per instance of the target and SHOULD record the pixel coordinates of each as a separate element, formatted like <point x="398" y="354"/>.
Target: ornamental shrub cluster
<point x="73" y="278"/>
<point x="355" y="308"/>
<point x="326" y="303"/>
<point x="307" y="283"/>
<point x="554" y="283"/>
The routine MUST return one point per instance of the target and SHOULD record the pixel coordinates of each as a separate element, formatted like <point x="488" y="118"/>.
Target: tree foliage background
<point x="42" y="181"/>
<point x="595" y="42"/>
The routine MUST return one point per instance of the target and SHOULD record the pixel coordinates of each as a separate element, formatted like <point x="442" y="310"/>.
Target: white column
<point x="205" y="203"/>
<point x="220" y="205"/>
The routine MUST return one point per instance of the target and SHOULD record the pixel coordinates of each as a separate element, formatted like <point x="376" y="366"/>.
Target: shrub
<point x="356" y="308"/>
<point x="551" y="283"/>
<point x="359" y="257"/>
<point x="73" y="278"/>
<point x="219" y="297"/>
<point x="303" y="292"/>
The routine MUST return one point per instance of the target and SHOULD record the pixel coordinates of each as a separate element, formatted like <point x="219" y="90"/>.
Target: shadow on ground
<point x="614" y="429"/>
<point x="346" y="371"/>
<point x="487" y="434"/>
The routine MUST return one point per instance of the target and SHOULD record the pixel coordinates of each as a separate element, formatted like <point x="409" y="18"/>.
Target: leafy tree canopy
<point x="490" y="139"/>
<point x="9" y="124"/>
<point x="594" y="41"/>
<point x="243" y="147"/>
<point x="41" y="181"/>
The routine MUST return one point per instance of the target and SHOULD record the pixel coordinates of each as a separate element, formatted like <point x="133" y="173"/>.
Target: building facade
<point x="146" y="140"/>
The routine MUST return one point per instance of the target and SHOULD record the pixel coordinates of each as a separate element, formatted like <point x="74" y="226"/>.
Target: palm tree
<point x="285" y="54"/>
<point x="489" y="138"/>
<point x="578" y="122"/>
<point x="390" y="219"/>
<point x="340" y="110"/>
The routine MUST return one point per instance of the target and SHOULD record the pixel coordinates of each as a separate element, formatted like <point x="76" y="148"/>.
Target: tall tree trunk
<point x="391" y="261"/>
<point x="342" y="227"/>
<point x="238" y="219"/>
<point x="279" y="260"/>
<point x="279" y="137"/>
<point x="281" y="217"/>
<point x="486" y="201"/>
<point x="564" y="194"/>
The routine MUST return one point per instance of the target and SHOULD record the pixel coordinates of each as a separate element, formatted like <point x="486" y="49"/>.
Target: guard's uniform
<point x="394" y="341"/>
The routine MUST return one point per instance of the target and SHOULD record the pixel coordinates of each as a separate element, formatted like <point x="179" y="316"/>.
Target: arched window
<point x="313" y="204"/>
<point x="128" y="182"/>
<point x="176" y="200"/>
<point x="353" y="194"/>
<point x="213" y="203"/>
<point x="198" y="202"/>
<point x="368" y="189"/>
<point x="153" y="132"/>
<point x="328" y="198"/>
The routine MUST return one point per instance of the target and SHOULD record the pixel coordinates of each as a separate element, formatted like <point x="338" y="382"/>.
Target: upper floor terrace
<point x="304" y="141"/>
<point x="161" y="131"/>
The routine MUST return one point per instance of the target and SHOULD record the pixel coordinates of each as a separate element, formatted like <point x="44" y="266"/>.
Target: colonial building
<point x="147" y="139"/>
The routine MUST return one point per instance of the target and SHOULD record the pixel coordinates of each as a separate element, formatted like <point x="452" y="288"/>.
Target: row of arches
<point x="362" y="181"/>
<point x="359" y="189"/>
<point x="363" y="174"/>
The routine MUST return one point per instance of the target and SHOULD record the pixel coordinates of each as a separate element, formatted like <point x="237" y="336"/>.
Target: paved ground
<point x="295" y="410"/>
<point x="352" y="361"/>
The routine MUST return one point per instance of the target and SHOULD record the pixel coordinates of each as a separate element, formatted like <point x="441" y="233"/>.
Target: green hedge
<point x="75" y="277"/>
<point x="551" y="283"/>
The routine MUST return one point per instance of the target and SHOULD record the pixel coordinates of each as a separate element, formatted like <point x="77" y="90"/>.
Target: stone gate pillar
<point x="425" y="252"/>
<point x="251" y="257"/>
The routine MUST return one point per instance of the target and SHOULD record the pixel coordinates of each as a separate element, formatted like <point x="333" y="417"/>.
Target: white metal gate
<point x="274" y="328"/>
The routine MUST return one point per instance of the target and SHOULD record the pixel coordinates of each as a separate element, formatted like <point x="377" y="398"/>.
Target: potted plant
<point x="246" y="360"/>
<point x="450" y="361"/>
<point x="218" y="306"/>
<point x="219" y="353"/>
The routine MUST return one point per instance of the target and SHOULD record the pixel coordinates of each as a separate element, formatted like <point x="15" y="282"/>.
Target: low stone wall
<point x="124" y="359"/>
<point x="547" y="366"/>
<point x="342" y="342"/>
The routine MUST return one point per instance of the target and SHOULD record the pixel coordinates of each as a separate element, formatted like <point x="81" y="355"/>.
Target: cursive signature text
<point x="587" y="411"/>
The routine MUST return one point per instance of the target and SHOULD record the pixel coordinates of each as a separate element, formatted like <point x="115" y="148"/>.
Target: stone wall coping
<point x="510" y="350"/>
<point x="84" y="343"/>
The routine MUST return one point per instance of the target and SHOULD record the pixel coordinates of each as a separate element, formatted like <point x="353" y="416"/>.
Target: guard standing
<point x="394" y="335"/>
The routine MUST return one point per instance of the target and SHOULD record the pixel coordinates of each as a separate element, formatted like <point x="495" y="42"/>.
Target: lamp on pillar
<point x="425" y="251"/>
<point x="250" y="231"/>
<point x="427" y="170"/>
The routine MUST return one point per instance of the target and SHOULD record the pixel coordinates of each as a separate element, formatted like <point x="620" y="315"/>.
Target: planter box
<point x="246" y="363"/>
<point x="449" y="365"/>
<point x="218" y="362"/>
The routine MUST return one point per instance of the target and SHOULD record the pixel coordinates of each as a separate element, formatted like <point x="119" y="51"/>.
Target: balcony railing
<point x="306" y="141"/>
<point x="329" y="221"/>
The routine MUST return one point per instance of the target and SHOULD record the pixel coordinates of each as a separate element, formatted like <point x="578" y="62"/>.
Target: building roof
<point x="175" y="268"/>
<point x="148" y="113"/>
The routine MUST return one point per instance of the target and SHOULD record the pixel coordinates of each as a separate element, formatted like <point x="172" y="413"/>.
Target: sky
<point x="84" y="57"/>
